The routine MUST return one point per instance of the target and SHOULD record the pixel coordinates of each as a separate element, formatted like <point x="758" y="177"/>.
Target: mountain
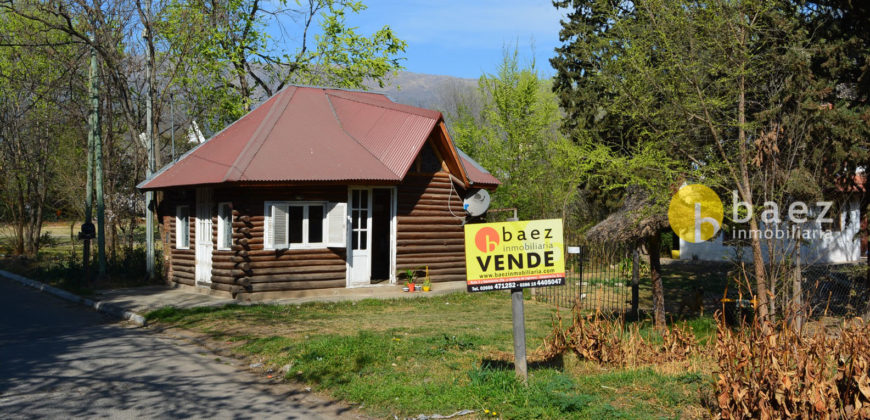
<point x="430" y="91"/>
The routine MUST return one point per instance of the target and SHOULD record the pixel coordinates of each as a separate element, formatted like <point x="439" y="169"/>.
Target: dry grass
<point x="769" y="371"/>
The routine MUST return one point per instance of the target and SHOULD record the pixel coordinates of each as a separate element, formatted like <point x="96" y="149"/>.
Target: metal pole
<point x="149" y="105"/>
<point x="519" y="334"/>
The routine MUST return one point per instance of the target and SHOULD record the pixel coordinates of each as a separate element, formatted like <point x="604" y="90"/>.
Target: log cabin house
<point x="317" y="188"/>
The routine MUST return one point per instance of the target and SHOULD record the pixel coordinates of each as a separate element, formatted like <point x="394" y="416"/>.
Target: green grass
<point x="438" y="355"/>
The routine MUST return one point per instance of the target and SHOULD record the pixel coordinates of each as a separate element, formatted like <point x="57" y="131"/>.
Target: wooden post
<point x="519" y="334"/>
<point x="635" y="284"/>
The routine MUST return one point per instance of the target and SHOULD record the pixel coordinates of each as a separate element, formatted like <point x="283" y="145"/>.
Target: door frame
<point x="394" y="199"/>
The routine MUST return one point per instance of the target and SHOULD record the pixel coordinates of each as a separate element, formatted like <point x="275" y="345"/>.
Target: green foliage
<point x="37" y="125"/>
<point x="230" y="63"/>
<point x="515" y="136"/>
<point x="660" y="84"/>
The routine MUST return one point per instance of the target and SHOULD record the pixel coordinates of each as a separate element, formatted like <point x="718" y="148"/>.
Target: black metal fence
<point x="839" y="290"/>
<point x="598" y="277"/>
<point x="610" y="277"/>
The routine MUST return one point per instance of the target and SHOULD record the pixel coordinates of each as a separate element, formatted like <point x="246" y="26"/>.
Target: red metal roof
<point x="312" y="134"/>
<point x="478" y="176"/>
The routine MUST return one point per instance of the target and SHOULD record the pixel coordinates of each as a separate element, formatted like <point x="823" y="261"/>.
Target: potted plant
<point x="410" y="274"/>
<point x="427" y="285"/>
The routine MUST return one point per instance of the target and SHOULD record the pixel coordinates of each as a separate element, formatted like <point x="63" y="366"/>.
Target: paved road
<point x="58" y="360"/>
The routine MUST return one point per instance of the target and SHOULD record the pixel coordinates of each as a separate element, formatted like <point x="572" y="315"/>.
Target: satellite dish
<point x="476" y="202"/>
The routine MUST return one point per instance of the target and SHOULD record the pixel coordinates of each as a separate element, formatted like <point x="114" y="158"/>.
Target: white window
<point x="182" y="227"/>
<point x="225" y="226"/>
<point x="304" y="224"/>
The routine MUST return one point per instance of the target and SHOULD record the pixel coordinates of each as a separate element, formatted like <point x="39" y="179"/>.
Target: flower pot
<point x="426" y="288"/>
<point x="410" y="287"/>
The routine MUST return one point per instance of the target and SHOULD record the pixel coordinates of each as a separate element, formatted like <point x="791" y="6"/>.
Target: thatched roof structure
<point x="637" y="219"/>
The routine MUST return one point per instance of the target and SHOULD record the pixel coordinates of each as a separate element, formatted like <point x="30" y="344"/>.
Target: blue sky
<point x="466" y="38"/>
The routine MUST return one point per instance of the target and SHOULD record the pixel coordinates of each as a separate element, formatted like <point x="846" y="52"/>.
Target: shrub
<point x="770" y="371"/>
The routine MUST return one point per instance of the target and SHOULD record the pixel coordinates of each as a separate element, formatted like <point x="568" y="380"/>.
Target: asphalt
<point x="61" y="360"/>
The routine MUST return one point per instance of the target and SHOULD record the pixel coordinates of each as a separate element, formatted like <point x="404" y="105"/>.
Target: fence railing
<point x="840" y="290"/>
<point x="598" y="277"/>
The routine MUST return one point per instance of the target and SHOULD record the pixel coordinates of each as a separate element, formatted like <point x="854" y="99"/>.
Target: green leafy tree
<point x="727" y="87"/>
<point x="232" y="63"/>
<point x="34" y="136"/>
<point x="515" y="135"/>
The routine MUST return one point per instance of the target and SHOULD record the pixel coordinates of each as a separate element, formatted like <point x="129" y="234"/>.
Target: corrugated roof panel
<point x="308" y="143"/>
<point x="412" y="134"/>
<point x="208" y="163"/>
<point x="476" y="173"/>
<point x="385" y="134"/>
<point x="311" y="134"/>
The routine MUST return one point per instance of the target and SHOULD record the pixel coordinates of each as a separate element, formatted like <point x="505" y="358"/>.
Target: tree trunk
<point x="796" y="286"/>
<point x="746" y="192"/>
<point x="653" y="246"/>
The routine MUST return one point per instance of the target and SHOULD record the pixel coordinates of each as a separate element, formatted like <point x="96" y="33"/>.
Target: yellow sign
<point x="695" y="213"/>
<point x="513" y="255"/>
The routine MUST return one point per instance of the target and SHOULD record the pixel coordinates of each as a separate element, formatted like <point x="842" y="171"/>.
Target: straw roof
<point x="637" y="219"/>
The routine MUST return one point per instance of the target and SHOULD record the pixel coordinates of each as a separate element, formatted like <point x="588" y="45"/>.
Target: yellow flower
<point x="486" y="411"/>
<point x="494" y="414"/>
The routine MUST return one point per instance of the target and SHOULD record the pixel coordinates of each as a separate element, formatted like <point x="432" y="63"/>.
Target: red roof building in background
<point x="317" y="188"/>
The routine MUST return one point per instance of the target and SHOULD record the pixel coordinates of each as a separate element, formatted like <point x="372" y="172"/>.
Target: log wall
<point x="180" y="265"/>
<point x="428" y="234"/>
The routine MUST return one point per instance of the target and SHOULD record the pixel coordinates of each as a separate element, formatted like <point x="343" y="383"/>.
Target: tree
<point x="515" y="135"/>
<point x="32" y="88"/>
<point x="233" y="63"/>
<point x="215" y="57"/>
<point x="723" y="86"/>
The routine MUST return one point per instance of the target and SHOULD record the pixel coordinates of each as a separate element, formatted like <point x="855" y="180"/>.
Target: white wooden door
<point x="360" y="238"/>
<point x="203" y="235"/>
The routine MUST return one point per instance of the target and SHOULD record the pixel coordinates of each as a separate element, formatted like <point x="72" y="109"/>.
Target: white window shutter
<point x="279" y="226"/>
<point x="336" y="225"/>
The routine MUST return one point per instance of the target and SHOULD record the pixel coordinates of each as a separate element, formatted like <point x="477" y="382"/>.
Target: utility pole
<point x="88" y="225"/>
<point x="149" y="128"/>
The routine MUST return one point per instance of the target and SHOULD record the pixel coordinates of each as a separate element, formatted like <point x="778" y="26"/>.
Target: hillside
<point x="426" y="90"/>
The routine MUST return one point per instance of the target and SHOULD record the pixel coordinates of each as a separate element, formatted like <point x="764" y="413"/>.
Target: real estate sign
<point x="512" y="255"/>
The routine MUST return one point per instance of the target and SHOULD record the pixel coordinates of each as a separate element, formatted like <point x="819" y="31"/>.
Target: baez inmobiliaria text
<point x="773" y="225"/>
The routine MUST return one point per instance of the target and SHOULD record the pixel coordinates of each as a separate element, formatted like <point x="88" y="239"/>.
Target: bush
<point x="610" y="342"/>
<point x="771" y="371"/>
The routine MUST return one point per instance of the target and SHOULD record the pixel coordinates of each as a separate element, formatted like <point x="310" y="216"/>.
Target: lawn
<point x="440" y="355"/>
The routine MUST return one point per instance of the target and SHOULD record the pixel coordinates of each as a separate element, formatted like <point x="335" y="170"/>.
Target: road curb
<point x="104" y="307"/>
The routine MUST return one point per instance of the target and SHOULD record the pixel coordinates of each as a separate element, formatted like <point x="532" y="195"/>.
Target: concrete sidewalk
<point x="134" y="303"/>
<point x="142" y="300"/>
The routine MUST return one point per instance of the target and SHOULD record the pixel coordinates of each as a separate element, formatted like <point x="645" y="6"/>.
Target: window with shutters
<point x="303" y="224"/>
<point x="182" y="227"/>
<point x="225" y="226"/>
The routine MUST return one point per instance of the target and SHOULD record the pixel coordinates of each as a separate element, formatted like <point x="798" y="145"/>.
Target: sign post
<point x="513" y="256"/>
<point x="519" y="318"/>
